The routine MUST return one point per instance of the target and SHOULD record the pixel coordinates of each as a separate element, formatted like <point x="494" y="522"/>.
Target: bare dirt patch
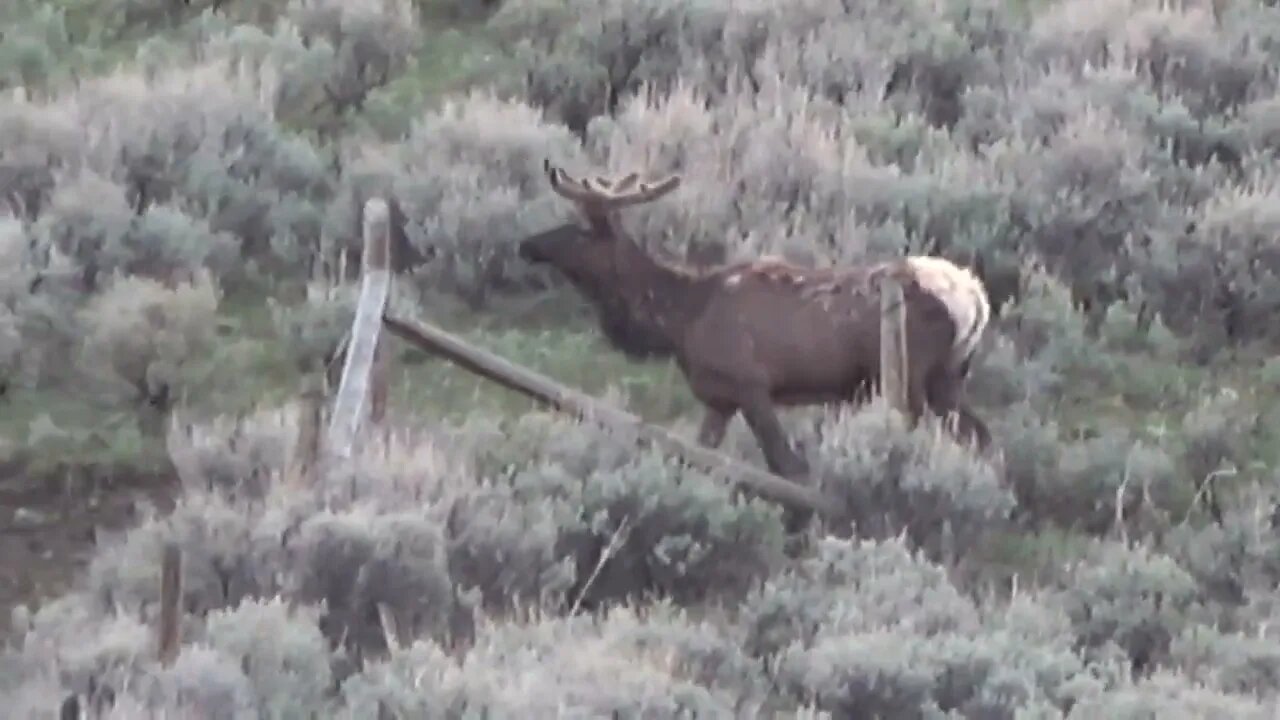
<point x="49" y="522"/>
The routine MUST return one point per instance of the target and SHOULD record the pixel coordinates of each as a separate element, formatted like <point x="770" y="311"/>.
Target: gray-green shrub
<point x="193" y="151"/>
<point x="1132" y="598"/>
<point x="674" y="530"/>
<point x="868" y="627"/>
<point x="1171" y="695"/>
<point x="656" y="664"/>
<point x="470" y="181"/>
<point x="891" y="480"/>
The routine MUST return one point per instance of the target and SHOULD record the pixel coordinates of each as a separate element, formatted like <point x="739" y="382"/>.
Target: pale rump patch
<point x="962" y="293"/>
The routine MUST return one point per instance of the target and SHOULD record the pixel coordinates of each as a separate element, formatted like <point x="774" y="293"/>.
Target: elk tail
<point x="964" y="296"/>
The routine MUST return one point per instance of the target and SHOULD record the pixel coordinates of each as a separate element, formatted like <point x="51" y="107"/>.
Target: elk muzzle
<point x="547" y="245"/>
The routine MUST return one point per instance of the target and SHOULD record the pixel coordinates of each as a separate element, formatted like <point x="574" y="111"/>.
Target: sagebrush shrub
<point x="755" y="180"/>
<point x="637" y="523"/>
<point x="39" y="299"/>
<point x="16" y="275"/>
<point x="94" y="233"/>
<point x="233" y="458"/>
<point x="1170" y="695"/>
<point x="30" y="50"/>
<point x="581" y="57"/>
<point x="1216" y="437"/>
<point x="315" y="62"/>
<point x="281" y="651"/>
<point x="150" y="340"/>
<point x="195" y="141"/>
<point x="1236" y="558"/>
<point x="384" y="574"/>
<point x="660" y="664"/>
<point x="1133" y="598"/>
<point x="201" y="682"/>
<point x="891" y="479"/>
<point x="527" y="532"/>
<point x="1230" y="662"/>
<point x="1261" y="120"/>
<point x="889" y="582"/>
<point x="37" y="141"/>
<point x="470" y="180"/>
<point x="228" y="556"/>
<point x="1100" y="483"/>
<point x="61" y="655"/>
<point x="869" y="628"/>
<point x="370" y="42"/>
<point x="363" y="565"/>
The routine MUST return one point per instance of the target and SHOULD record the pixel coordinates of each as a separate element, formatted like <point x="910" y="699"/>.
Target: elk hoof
<point x="796" y="521"/>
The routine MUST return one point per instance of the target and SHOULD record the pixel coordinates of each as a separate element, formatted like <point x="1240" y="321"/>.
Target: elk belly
<point x="816" y="370"/>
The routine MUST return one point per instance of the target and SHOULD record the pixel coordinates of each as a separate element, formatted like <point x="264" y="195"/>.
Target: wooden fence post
<point x="358" y="383"/>
<point x="307" y="446"/>
<point x="893" y="343"/>
<point x="168" y="637"/>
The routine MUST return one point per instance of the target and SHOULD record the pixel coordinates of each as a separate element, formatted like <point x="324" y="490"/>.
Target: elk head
<point x="598" y="257"/>
<point x="579" y="251"/>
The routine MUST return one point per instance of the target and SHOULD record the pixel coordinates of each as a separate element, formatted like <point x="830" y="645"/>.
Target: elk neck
<point x="647" y="312"/>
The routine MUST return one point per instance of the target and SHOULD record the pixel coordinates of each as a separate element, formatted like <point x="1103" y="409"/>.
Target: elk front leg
<point x="715" y="422"/>
<point x="763" y="420"/>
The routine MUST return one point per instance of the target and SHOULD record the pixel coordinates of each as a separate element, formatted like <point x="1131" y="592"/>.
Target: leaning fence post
<point x="893" y="343"/>
<point x="358" y="383"/>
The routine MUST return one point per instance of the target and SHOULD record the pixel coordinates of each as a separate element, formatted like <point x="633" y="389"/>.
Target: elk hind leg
<point x="917" y="393"/>
<point x="943" y="391"/>
<point x="967" y="427"/>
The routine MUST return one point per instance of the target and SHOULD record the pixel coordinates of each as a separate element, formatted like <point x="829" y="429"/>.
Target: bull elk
<point x="754" y="336"/>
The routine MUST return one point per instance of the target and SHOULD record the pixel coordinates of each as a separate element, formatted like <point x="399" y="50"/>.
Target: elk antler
<point x="624" y="184"/>
<point x="602" y="194"/>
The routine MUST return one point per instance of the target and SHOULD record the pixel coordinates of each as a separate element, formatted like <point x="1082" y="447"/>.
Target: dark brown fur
<point x="753" y="336"/>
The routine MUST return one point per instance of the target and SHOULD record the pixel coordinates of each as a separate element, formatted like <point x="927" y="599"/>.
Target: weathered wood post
<point x="307" y="445"/>
<point x="168" y="637"/>
<point x="358" y="384"/>
<point x="893" y="343"/>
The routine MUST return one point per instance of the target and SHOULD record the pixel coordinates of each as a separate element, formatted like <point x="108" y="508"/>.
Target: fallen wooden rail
<point x="548" y="392"/>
